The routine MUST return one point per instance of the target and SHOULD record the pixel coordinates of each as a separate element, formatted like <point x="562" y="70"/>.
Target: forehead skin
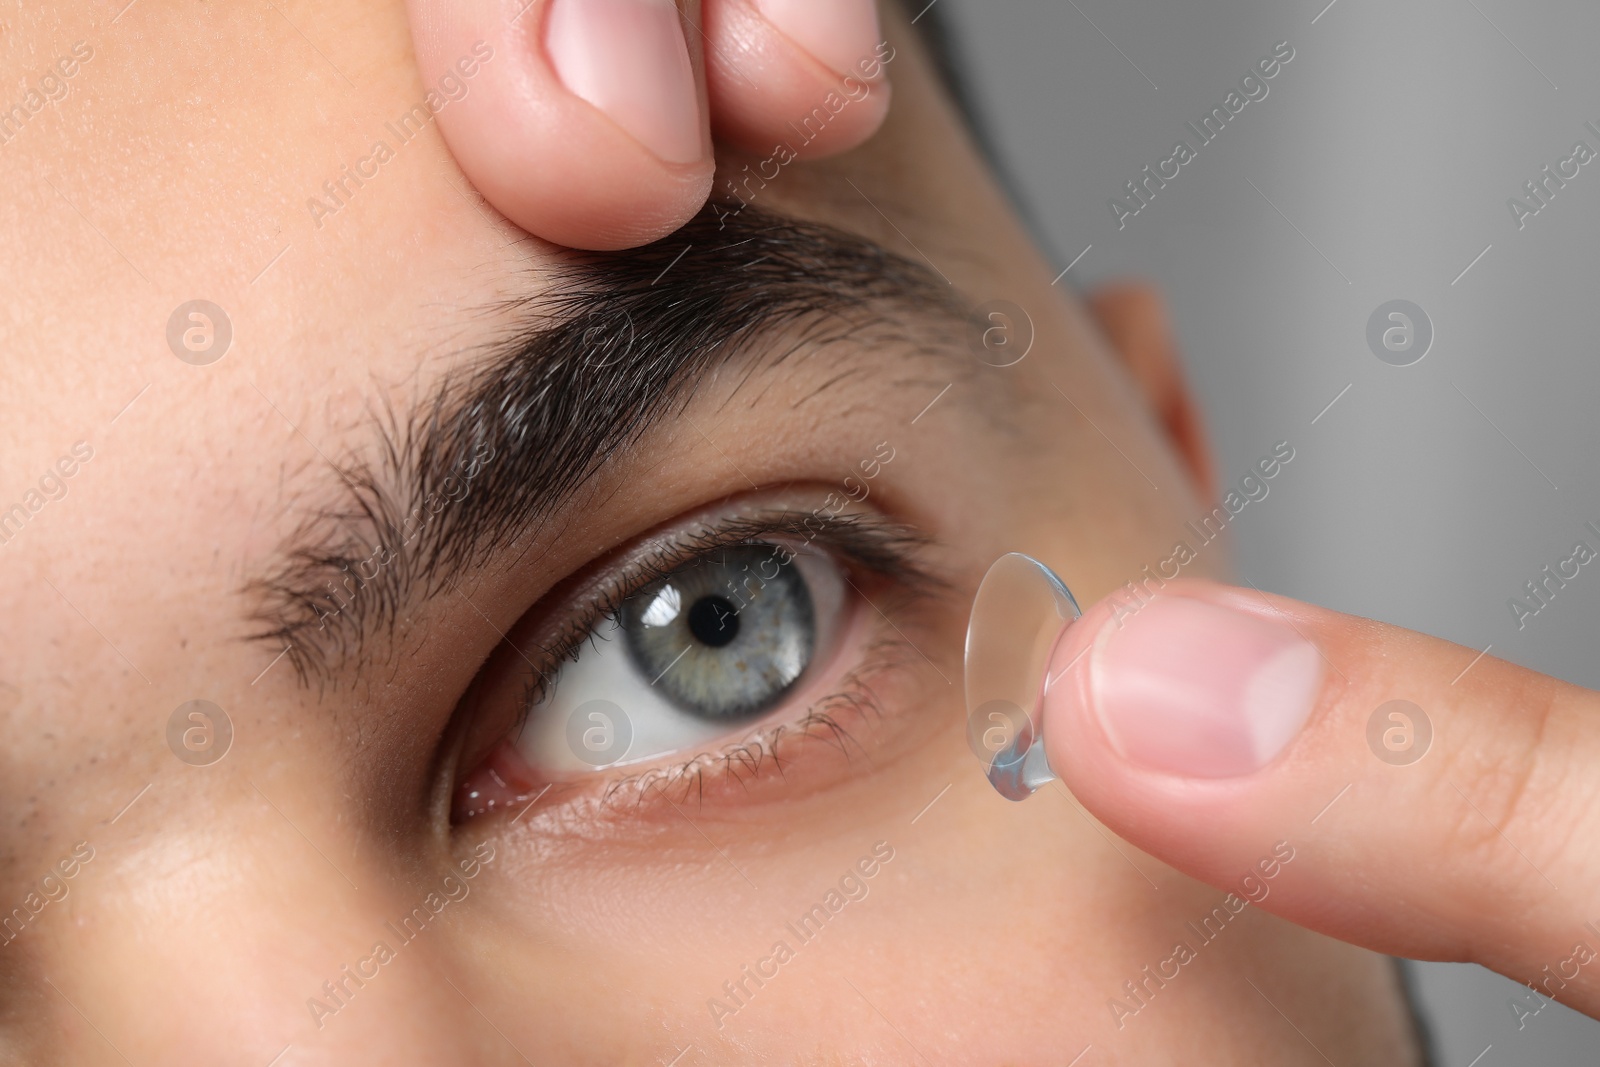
<point x="177" y="166"/>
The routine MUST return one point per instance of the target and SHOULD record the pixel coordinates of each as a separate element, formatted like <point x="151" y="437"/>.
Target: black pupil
<point x="713" y="621"/>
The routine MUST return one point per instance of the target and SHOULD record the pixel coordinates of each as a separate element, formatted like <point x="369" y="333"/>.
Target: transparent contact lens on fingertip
<point x="1019" y="614"/>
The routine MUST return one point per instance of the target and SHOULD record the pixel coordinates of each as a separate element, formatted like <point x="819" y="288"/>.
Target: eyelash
<point x="862" y="544"/>
<point x="743" y="759"/>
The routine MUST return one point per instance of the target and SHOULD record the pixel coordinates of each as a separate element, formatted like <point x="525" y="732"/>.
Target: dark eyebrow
<point x="614" y="345"/>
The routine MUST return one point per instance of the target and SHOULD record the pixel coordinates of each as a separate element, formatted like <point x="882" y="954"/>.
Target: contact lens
<point x="1019" y="614"/>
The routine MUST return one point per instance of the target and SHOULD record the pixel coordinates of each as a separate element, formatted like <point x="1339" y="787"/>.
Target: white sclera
<point x="1017" y="617"/>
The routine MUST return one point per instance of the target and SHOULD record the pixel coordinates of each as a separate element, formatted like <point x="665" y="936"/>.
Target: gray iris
<point x="724" y="636"/>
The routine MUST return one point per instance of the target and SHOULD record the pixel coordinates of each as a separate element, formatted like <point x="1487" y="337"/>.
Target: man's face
<point x="456" y="518"/>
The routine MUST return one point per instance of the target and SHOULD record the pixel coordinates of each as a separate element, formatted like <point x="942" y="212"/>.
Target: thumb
<point x="583" y="121"/>
<point x="1383" y="787"/>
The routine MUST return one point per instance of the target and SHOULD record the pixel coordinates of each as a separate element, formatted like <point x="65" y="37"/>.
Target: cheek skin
<point x="199" y="938"/>
<point x="1002" y="928"/>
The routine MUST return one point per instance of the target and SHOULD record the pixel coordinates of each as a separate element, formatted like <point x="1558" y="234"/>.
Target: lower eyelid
<point x="830" y="717"/>
<point x="827" y="739"/>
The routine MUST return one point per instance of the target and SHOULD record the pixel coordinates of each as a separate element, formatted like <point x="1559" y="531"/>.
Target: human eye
<point x="710" y="646"/>
<point x="711" y="651"/>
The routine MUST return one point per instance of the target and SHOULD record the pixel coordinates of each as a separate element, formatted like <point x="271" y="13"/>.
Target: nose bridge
<point x="237" y="929"/>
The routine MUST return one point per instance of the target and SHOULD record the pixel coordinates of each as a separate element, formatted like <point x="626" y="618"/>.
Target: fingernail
<point x="629" y="59"/>
<point x="1190" y="688"/>
<point x="839" y="34"/>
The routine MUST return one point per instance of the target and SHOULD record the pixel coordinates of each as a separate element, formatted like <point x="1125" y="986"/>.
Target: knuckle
<point x="1518" y="800"/>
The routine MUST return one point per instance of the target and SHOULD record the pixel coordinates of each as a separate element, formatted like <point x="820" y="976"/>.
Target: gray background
<point x="1427" y="495"/>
